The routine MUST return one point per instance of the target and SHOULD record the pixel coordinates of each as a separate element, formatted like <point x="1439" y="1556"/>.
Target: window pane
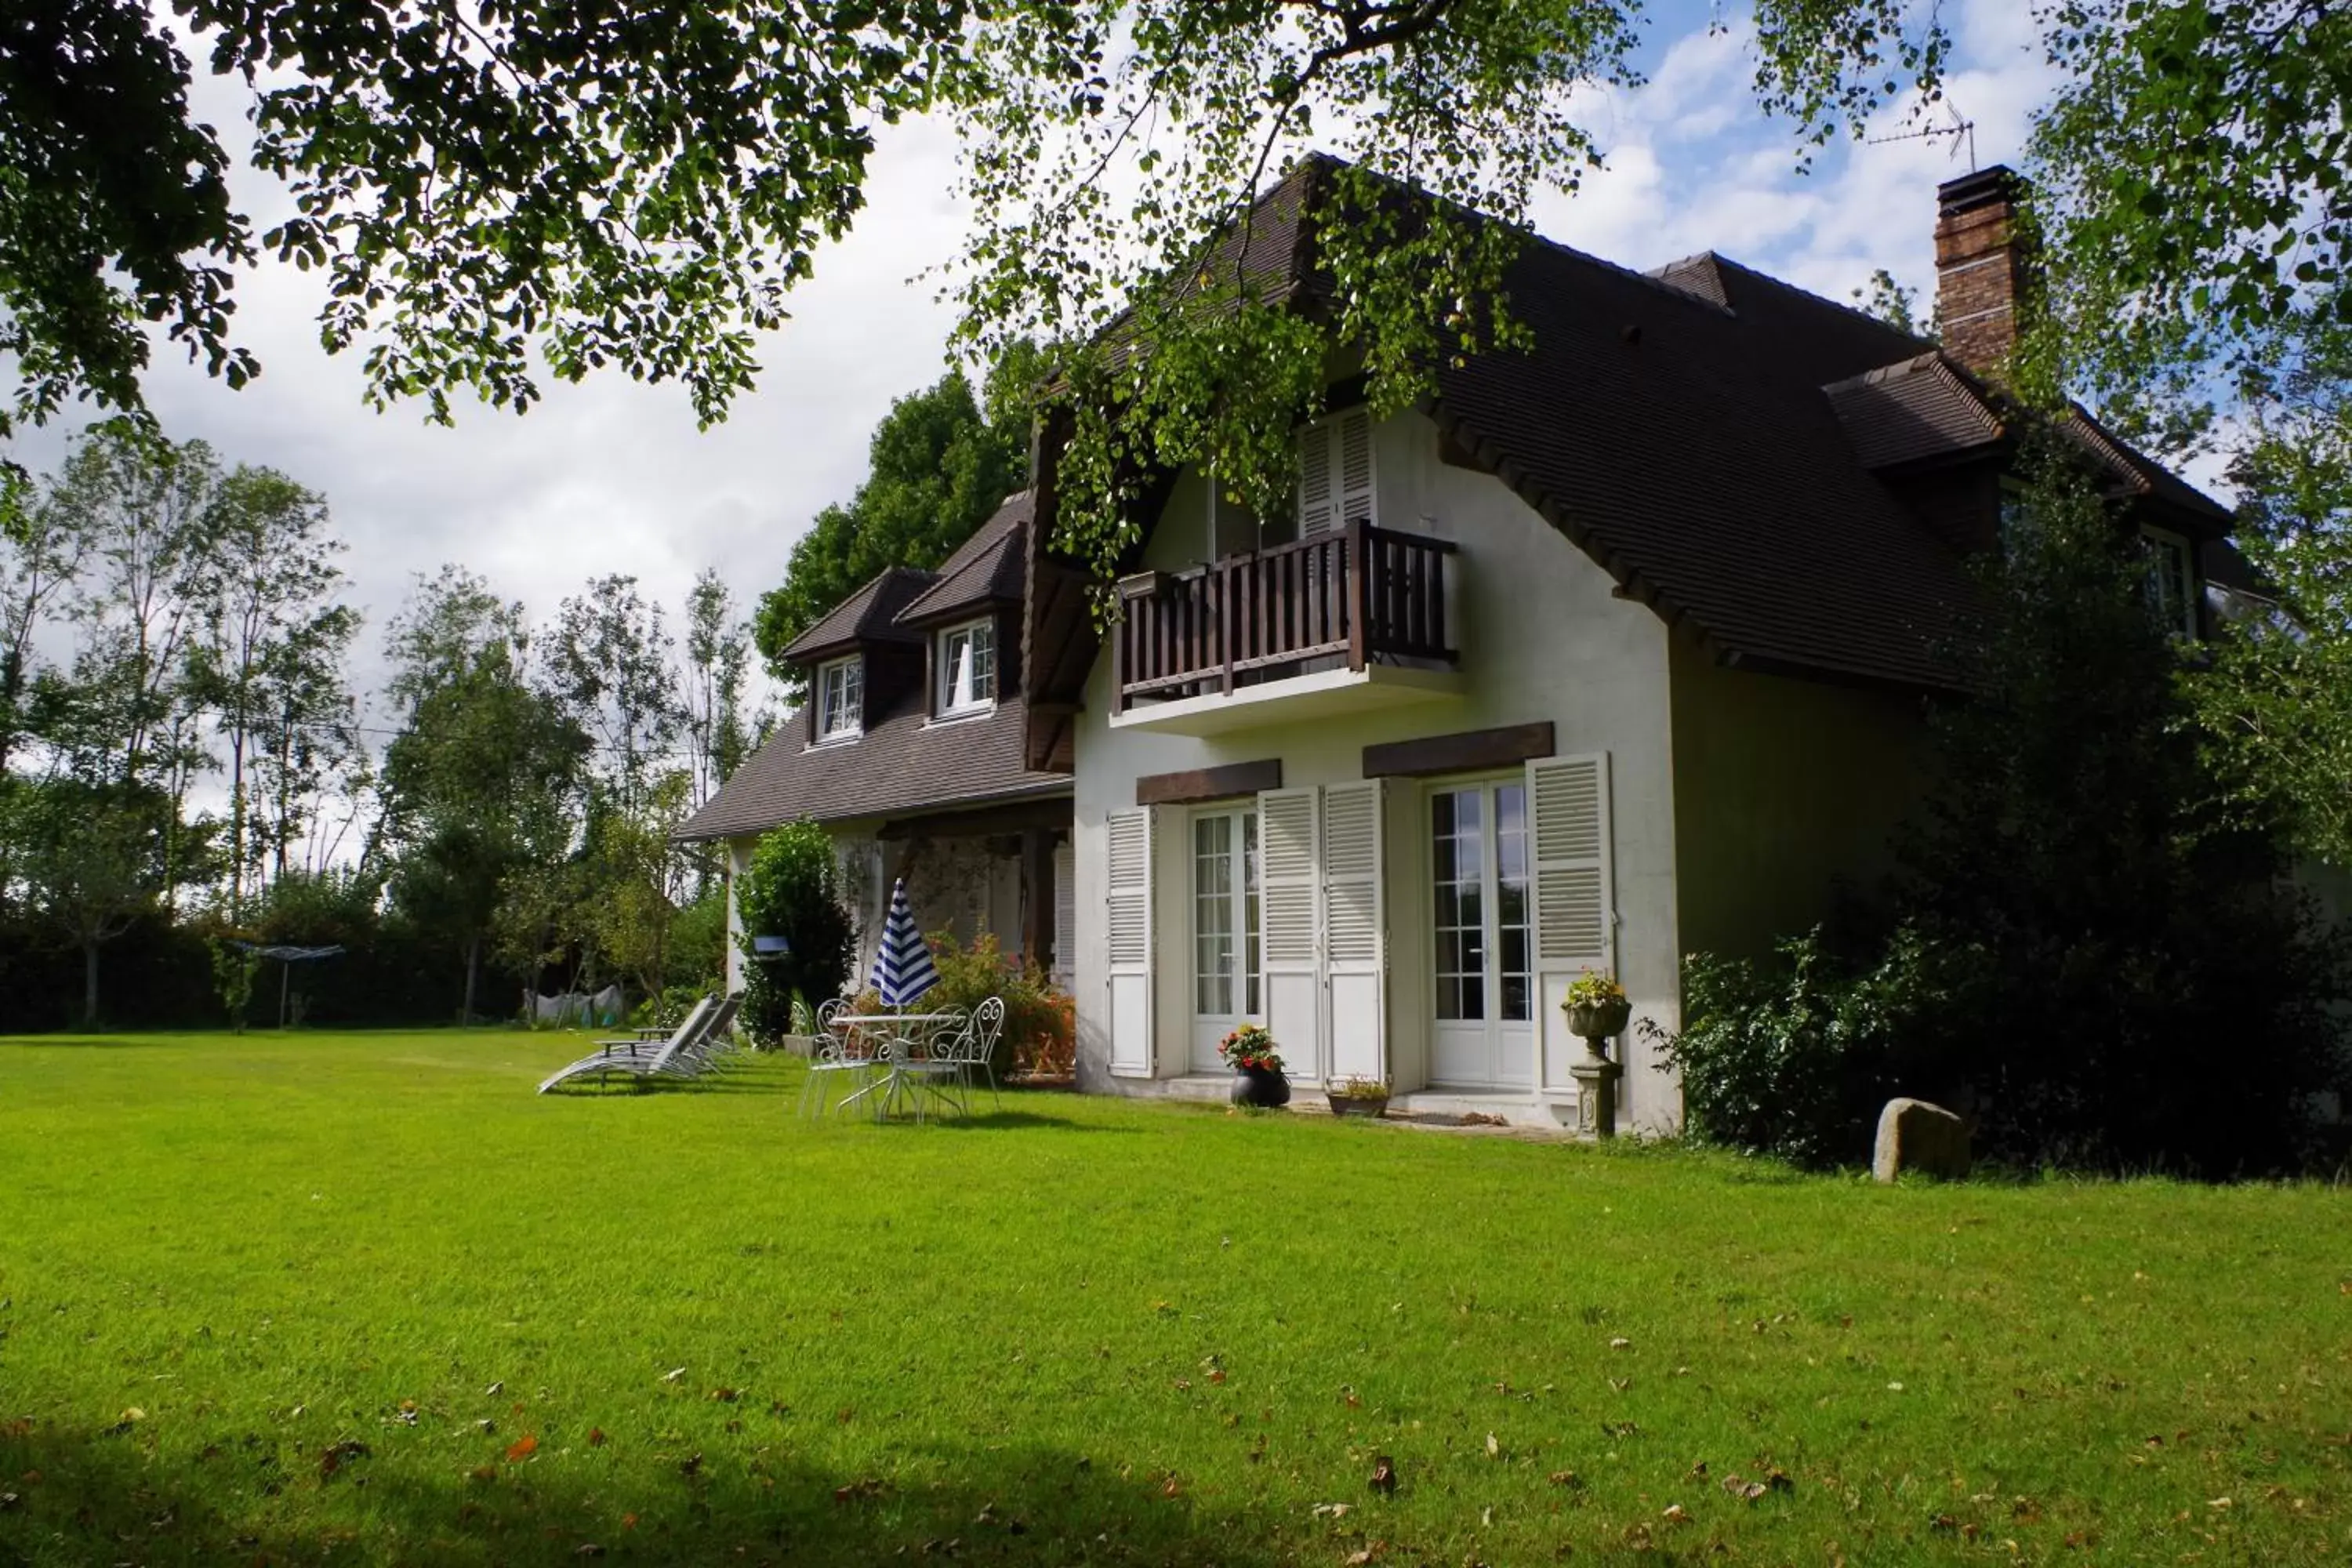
<point x="1515" y="998"/>
<point x="984" y="663"/>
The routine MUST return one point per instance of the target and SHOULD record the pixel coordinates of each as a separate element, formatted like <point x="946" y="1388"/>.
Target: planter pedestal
<point x="1596" y="1092"/>
<point x="1253" y="1086"/>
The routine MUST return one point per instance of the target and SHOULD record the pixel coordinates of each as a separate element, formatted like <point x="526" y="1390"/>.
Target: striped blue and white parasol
<point x="902" y="969"/>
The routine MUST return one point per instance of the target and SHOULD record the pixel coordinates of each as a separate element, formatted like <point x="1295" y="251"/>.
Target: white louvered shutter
<point x="1130" y="942"/>
<point x="1319" y="511"/>
<point x="1352" y="435"/>
<point x="1335" y="473"/>
<point x="1290" y="924"/>
<point x="1355" y="932"/>
<point x="1066" y="914"/>
<point x="1576" y="916"/>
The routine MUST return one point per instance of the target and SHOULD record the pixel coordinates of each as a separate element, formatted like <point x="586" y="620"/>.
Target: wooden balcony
<point x="1340" y="622"/>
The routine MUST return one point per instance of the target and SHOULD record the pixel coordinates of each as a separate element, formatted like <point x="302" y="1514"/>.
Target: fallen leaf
<point x="1333" y="1509"/>
<point x="673" y="1374"/>
<point x="484" y="1472"/>
<point x="1697" y="1472"/>
<point x="523" y="1448"/>
<point x="1566" y="1479"/>
<point x="595" y="1436"/>
<point x="2219" y="1502"/>
<point x="1494" y="1448"/>
<point x="1620" y="1344"/>
<point x="1172" y="1486"/>
<point x="1218" y="1375"/>
<point x="494" y="1389"/>
<point x="1674" y="1513"/>
<point x="725" y="1395"/>
<point x="857" y="1491"/>
<point x="8" y="1500"/>
<point x="134" y="1414"/>
<point x="691" y="1466"/>
<point x="1384" y="1479"/>
<point x="588" y="1548"/>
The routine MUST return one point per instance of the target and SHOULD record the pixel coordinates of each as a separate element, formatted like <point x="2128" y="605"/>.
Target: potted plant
<point x="1359" y="1096"/>
<point x="1597" y="1010"/>
<point x="1258" y="1079"/>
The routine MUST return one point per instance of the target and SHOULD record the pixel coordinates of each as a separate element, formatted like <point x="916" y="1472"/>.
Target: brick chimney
<point x="1982" y="270"/>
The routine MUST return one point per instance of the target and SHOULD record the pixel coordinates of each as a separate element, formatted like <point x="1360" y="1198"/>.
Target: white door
<point x="1354" y="933"/>
<point x="1227" y="982"/>
<point x="1482" y="921"/>
<point x="1130" y="943"/>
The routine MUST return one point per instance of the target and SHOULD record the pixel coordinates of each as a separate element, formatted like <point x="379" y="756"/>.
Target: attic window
<point x="967" y="669"/>
<point x="840" y="699"/>
<point x="2171" y="581"/>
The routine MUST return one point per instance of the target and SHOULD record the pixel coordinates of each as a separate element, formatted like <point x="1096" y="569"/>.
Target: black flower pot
<point x="1261" y="1087"/>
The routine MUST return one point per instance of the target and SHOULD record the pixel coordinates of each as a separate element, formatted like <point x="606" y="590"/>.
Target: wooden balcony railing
<point x="1365" y="594"/>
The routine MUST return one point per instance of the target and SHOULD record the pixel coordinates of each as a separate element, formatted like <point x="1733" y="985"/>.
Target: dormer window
<point x="967" y="669"/>
<point x="2171" y="581"/>
<point x="840" y="699"/>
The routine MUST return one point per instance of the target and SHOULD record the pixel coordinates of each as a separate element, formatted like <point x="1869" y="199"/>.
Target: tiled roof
<point x="1686" y="443"/>
<point x="870" y="614"/>
<point x="986" y="569"/>
<point x="904" y="765"/>
<point x="905" y="762"/>
<point x="1918" y="409"/>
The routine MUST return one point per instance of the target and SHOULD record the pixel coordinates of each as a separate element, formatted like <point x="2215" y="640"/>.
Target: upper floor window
<point x="840" y="698"/>
<point x="967" y="668"/>
<point x="2171" y="579"/>
<point x="1335" y="473"/>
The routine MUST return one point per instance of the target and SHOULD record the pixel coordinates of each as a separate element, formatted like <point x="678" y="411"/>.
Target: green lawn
<point x="366" y="1298"/>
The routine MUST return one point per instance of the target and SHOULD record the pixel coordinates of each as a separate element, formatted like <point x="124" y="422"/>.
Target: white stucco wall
<point x="1542" y="637"/>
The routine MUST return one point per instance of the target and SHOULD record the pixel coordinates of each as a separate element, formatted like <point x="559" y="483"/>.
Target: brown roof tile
<point x="905" y="763"/>
<point x="986" y="569"/>
<point x="870" y="614"/>
<point x="1919" y="409"/>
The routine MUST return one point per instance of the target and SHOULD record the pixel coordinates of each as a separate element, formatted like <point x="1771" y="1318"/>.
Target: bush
<point x="669" y="1009"/>
<point x="1040" y="1022"/>
<point x="792" y="889"/>
<point x="1795" y="1057"/>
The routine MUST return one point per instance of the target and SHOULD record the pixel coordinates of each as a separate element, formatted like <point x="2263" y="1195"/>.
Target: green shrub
<point x="1040" y="1022"/>
<point x="792" y="889"/>
<point x="1795" y="1057"/>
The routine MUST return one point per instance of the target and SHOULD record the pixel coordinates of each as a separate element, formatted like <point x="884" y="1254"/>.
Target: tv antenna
<point x="1958" y="127"/>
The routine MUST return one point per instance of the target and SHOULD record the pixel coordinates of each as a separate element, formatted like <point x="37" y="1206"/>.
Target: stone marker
<point x="1914" y="1135"/>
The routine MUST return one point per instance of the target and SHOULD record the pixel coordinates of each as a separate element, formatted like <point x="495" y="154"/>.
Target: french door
<point x="1482" y="917"/>
<point x="1228" y="982"/>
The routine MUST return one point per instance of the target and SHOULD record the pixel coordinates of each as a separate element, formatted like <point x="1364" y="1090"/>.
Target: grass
<point x="365" y="1299"/>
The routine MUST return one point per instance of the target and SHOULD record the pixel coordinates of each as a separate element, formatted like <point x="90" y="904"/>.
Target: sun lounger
<point x="686" y="1053"/>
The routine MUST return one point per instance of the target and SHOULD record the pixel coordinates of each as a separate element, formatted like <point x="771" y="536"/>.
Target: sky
<point x="612" y="477"/>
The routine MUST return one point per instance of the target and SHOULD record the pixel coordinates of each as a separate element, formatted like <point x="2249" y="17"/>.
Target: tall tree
<point x="718" y="663"/>
<point x="485" y="775"/>
<point x="606" y="658"/>
<point x="269" y="567"/>
<point x="41" y="556"/>
<point x="938" y="466"/>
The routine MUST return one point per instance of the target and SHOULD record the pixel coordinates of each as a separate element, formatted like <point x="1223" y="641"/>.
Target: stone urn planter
<point x="1366" y="1098"/>
<point x="1596" y="1023"/>
<point x="1265" y="1088"/>
<point x="1599" y="1012"/>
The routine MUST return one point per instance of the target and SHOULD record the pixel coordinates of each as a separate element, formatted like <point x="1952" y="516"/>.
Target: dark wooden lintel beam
<point x="1208" y="783"/>
<point x="1459" y="752"/>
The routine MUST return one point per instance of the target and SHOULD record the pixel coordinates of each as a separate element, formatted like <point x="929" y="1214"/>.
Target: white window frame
<point x="2169" y="551"/>
<point x="1492" y="975"/>
<point x="840" y="713"/>
<point x="1245" y="980"/>
<point x="981" y="632"/>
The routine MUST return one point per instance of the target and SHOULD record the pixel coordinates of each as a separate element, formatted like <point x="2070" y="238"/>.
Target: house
<point x="910" y="750"/>
<point x="1617" y="650"/>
